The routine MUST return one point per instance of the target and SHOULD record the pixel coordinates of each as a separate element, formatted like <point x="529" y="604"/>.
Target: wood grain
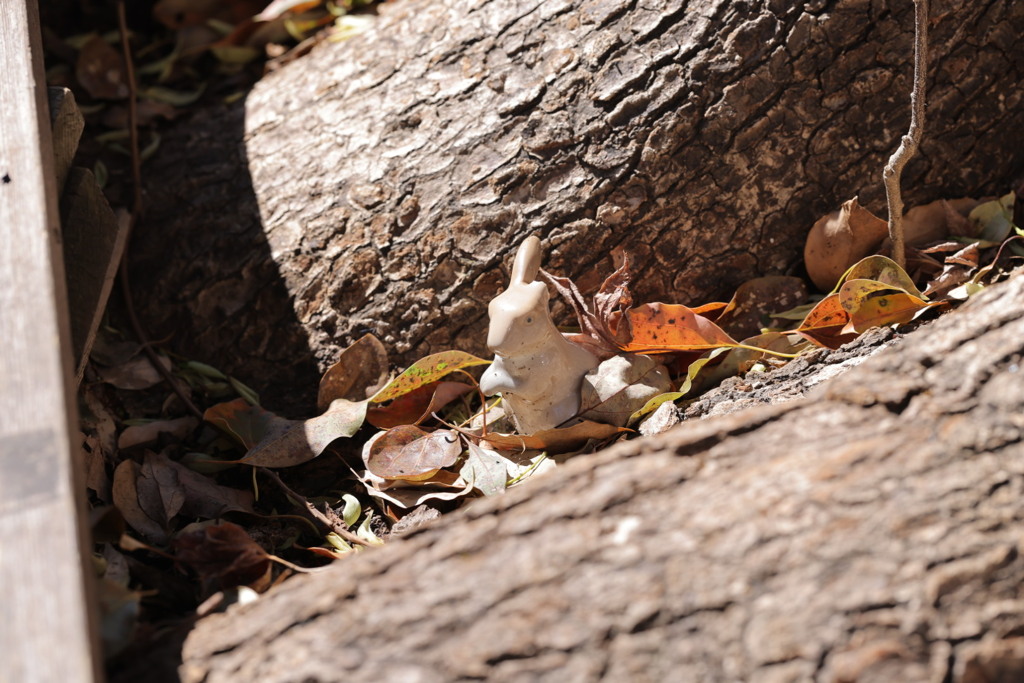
<point x="46" y="629"/>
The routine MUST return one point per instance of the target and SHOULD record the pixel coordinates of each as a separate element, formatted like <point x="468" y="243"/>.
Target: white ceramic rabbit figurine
<point x="536" y="369"/>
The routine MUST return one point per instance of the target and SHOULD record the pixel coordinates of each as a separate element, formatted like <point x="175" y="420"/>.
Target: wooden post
<point x="47" y="620"/>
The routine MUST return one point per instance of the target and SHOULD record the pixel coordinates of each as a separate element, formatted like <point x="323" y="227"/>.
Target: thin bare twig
<point x="909" y="143"/>
<point x="126" y="290"/>
<point x="300" y="500"/>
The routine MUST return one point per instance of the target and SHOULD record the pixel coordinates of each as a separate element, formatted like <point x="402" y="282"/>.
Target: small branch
<point x="310" y="509"/>
<point x="909" y="143"/>
<point x="126" y="290"/>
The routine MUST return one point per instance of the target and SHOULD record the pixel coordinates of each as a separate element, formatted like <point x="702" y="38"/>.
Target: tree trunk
<point x="381" y="183"/>
<point x="868" y="532"/>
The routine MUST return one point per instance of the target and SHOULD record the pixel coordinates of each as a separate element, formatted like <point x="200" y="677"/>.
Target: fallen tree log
<point x="869" y="531"/>
<point x="380" y="183"/>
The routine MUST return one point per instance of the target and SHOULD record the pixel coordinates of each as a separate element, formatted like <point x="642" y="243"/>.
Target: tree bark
<point x="869" y="531"/>
<point x="381" y="183"/>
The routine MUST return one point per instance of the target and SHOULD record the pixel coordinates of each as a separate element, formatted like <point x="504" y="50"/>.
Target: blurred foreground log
<point x="870" y="531"/>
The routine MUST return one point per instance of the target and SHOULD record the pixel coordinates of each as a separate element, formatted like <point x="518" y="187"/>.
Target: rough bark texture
<point x="380" y="183"/>
<point x="869" y="531"/>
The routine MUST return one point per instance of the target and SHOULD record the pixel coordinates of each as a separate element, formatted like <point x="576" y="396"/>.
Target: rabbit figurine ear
<point x="527" y="263"/>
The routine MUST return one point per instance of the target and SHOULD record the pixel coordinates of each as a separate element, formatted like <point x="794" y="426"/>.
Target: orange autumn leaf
<point x="665" y="328"/>
<point x="712" y="310"/>
<point x="886" y="309"/>
<point x="825" y="323"/>
<point x="870" y="303"/>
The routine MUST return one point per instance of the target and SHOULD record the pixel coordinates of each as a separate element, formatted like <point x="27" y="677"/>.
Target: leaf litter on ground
<point x="422" y="436"/>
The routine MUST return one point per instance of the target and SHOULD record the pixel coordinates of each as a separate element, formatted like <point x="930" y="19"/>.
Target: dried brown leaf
<point x="137" y="435"/>
<point x="839" y="240"/>
<point x="100" y="70"/>
<point x="360" y="371"/>
<point x="201" y="496"/>
<point x="409" y="453"/>
<point x="560" y="440"/>
<point x="223" y="555"/>
<point x="126" y="499"/>
<point x="417" y="405"/>
<point x="303" y="440"/>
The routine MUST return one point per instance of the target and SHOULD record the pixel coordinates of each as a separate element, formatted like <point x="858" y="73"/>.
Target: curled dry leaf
<point x="360" y="372"/>
<point x="873" y="304"/>
<point x="408" y="495"/>
<point x="417" y="405"/>
<point x="134" y="373"/>
<point x="825" y="324"/>
<point x="126" y="499"/>
<point x="248" y="424"/>
<point x="304" y="440"/>
<point x="486" y="470"/>
<point x="839" y="240"/>
<point x="938" y="220"/>
<point x="150" y="495"/>
<point x="884" y="270"/>
<point x="160" y="492"/>
<point x="137" y="435"/>
<point x="560" y="440"/>
<point x="597" y="329"/>
<point x="425" y="371"/>
<point x="223" y="555"/>
<point x="957" y="269"/>
<point x="412" y="454"/>
<point x="620" y="386"/>
<point x="201" y="496"/>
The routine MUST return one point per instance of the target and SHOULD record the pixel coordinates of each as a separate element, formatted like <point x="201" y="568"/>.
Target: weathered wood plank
<point x="46" y="620"/>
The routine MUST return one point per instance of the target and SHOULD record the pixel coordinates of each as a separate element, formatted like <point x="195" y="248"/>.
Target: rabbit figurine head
<point x="519" y="313"/>
<point x="536" y="369"/>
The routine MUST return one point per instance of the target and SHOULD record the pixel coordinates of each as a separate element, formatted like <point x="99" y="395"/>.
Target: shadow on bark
<point x="245" y="323"/>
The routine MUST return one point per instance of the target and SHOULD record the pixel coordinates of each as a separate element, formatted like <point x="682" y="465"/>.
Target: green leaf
<point x="425" y="371"/>
<point x="995" y="218"/>
<point x="695" y="368"/>
<point x="204" y="369"/>
<point x="364" y="532"/>
<point x="338" y="542"/>
<point x="244" y="391"/>
<point x="352" y="510"/>
<point x="234" y="54"/>
<point x="177" y="98"/>
<point x="653" y="404"/>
